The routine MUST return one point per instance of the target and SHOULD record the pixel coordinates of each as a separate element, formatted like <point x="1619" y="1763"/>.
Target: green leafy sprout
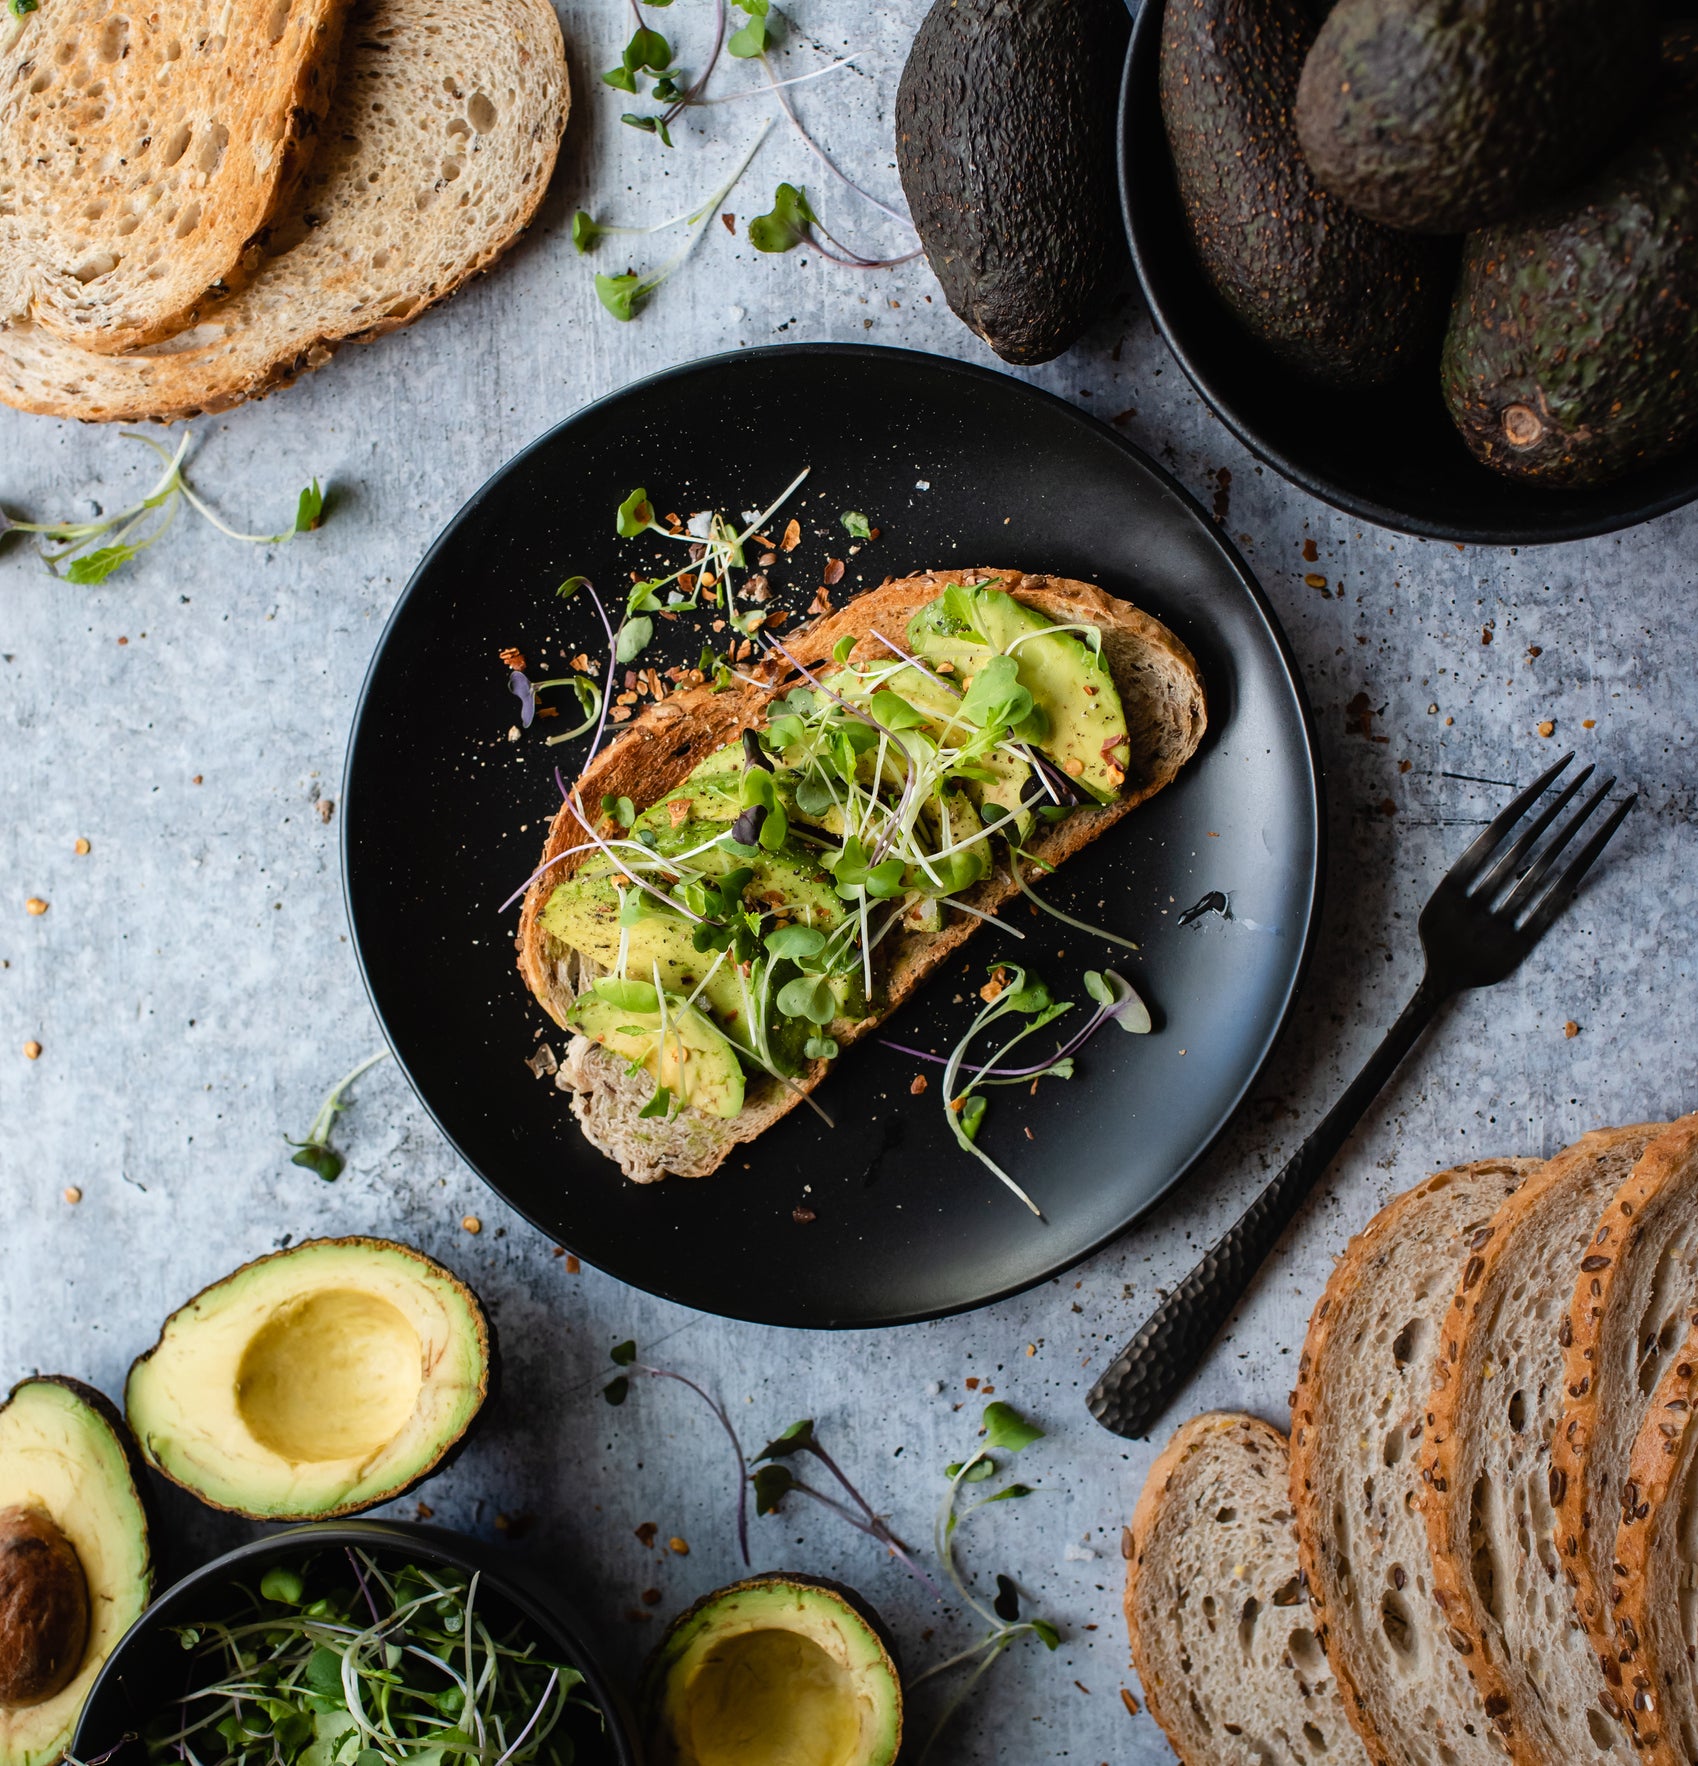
<point x="343" y="1660"/>
<point x="316" y="1152"/>
<point x="133" y="530"/>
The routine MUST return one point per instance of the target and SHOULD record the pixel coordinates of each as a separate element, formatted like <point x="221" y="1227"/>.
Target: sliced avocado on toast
<point x="314" y="1382"/>
<point x="76" y="1561"/>
<point x="777" y="1670"/>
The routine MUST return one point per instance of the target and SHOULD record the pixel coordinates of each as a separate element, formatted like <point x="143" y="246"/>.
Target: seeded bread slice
<point x="1634" y="1301"/>
<point x="437" y="149"/>
<point x="1161" y="692"/>
<point x="1486" y="1496"/>
<point x="1220" y="1630"/>
<point x="1357" y="1422"/>
<point x="145" y="152"/>
<point x="1654" y="1575"/>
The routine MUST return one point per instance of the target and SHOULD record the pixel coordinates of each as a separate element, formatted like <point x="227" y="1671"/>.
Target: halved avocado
<point x="314" y="1382"/>
<point x="777" y="1670"/>
<point x="76" y="1567"/>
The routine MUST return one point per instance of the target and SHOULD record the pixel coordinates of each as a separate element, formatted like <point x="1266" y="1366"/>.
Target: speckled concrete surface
<point x="193" y="989"/>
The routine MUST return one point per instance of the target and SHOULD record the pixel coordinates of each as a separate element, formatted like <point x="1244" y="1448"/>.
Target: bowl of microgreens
<point x="355" y="1644"/>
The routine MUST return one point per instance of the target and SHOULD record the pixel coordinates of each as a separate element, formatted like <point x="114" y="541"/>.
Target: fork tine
<point x="1505" y="869"/>
<point x="1557" y="897"/>
<point x="1523" y="894"/>
<point x="1483" y="848"/>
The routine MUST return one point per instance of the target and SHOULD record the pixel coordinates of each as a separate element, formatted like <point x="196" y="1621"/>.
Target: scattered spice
<point x="1315" y="580"/>
<point x="1588" y="723"/>
<point x="426" y="1512"/>
<point x="35" y="905"/>
<point x="650" y="1597"/>
<point x="514" y="658"/>
<point x="833" y="572"/>
<point x="196" y="780"/>
<point x="792" y="535"/>
<point x="803" y="1216"/>
<point x="326" y="806"/>
<point x="72" y="1194"/>
<point x="471" y="1224"/>
<point x="1130" y="1702"/>
<point x="572" y="1264"/>
<point x="1571" y="1029"/>
<point x="82" y="848"/>
<point x="646" y="1535"/>
<point x="917" y="1086"/>
<point x="1547" y="728"/>
<point x="32" y="1050"/>
<point x="1310" y="551"/>
<point x="679" y="1546"/>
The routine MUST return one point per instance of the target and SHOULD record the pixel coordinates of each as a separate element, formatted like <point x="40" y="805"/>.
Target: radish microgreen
<point x="316" y="1153"/>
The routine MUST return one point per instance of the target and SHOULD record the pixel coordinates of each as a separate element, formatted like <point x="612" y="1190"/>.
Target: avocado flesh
<point x="1573" y="344"/>
<point x="1439" y="118"/>
<point x="314" y="1382"/>
<point x="692" y="1060"/>
<point x="775" y="1671"/>
<point x="64" y="1451"/>
<point x="1069" y="684"/>
<point x="1335" y="295"/>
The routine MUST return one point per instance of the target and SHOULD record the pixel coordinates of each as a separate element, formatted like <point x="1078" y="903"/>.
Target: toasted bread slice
<point x="1635" y="1299"/>
<point x="144" y="154"/>
<point x="1220" y="1629"/>
<point x="1357" y="1421"/>
<point x="1486" y="1495"/>
<point x="436" y="151"/>
<point x="1654" y="1571"/>
<point x="1161" y="692"/>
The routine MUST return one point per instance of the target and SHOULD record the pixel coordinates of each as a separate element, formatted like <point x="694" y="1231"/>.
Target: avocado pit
<point x="43" y="1608"/>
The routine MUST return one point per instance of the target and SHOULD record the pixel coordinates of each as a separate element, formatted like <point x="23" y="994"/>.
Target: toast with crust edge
<point x="1161" y="692"/>
<point x="1635" y="1298"/>
<point x="1356" y="1429"/>
<point x="1497" y="1387"/>
<point x="1214" y="1605"/>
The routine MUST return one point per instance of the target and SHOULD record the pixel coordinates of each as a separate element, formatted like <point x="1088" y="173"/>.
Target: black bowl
<point x="1390" y="456"/>
<point x="146" y="1669"/>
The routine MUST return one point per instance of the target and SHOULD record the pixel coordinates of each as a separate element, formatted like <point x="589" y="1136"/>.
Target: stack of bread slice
<point x="197" y="203"/>
<point x="1492" y="1507"/>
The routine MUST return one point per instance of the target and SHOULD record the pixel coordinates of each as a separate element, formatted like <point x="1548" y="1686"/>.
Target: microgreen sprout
<point x="316" y="1152"/>
<point x="132" y="530"/>
<point x="345" y="1658"/>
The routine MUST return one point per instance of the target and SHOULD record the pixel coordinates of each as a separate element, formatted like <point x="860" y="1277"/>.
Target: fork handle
<point x="1148" y="1374"/>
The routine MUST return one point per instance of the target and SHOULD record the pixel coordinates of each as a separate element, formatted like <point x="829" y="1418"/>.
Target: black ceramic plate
<point x="1390" y="455"/>
<point x="445" y="816"/>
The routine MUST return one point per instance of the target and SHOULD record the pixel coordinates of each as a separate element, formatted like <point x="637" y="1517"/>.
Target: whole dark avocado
<point x="1444" y="115"/>
<point x="1005" y="141"/>
<point x="1335" y="295"/>
<point x="1572" y="353"/>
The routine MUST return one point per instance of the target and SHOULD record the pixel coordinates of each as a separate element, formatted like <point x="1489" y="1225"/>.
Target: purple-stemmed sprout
<point x="521" y="689"/>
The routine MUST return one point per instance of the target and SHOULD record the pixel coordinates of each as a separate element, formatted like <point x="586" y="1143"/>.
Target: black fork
<point x="1487" y="913"/>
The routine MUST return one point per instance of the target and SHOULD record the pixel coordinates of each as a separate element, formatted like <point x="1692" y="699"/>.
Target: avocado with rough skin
<point x="776" y="1670"/>
<point x="1333" y="294"/>
<point x="1445" y="115"/>
<point x="315" y="1382"/>
<point x="1572" y="353"/>
<point x="76" y="1563"/>
<point x="1005" y="142"/>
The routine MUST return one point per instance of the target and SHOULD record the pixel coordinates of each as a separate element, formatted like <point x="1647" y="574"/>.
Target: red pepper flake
<point x="1571" y="1029"/>
<point x="646" y="1535"/>
<point x="514" y="658"/>
<point x="425" y="1511"/>
<point x="803" y="1216"/>
<point x="972" y="1382"/>
<point x="1310" y="552"/>
<point x="1547" y="728"/>
<point x="833" y="571"/>
<point x="650" y="1597"/>
<point x="730" y="221"/>
<point x="1485" y="634"/>
<point x="1315" y="580"/>
<point x="792" y="536"/>
<point x="542" y="711"/>
<point x="572" y="1264"/>
<point x="582" y="664"/>
<point x="1126" y="1697"/>
<point x="918" y="1085"/>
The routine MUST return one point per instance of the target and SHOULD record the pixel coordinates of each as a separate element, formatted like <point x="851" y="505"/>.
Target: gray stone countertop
<point x="194" y="992"/>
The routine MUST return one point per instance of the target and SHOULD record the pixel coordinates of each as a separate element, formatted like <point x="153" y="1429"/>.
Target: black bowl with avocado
<point x="1389" y="454"/>
<point x="297" y="1602"/>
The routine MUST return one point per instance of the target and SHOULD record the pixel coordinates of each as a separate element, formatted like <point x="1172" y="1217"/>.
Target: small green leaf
<point x="97" y="566"/>
<point x="616" y="1391"/>
<point x="1009" y="1493"/>
<point x="633" y="638"/>
<point x="650" y="125"/>
<point x="785" y="226"/>
<point x="1098" y="988"/>
<point x="622" y="809"/>
<point x="972" y="1113"/>
<point x="1045" y="1630"/>
<point x="635" y="516"/>
<point x="1006" y="1606"/>
<point x="808" y="997"/>
<point x="977" y="1470"/>
<point x="19" y="8"/>
<point x="282" y="1585"/>
<point x="772" y="1484"/>
<point x="319" y="1158"/>
<point x="627" y="996"/>
<point x="622" y="295"/>
<point x="820" y="1048"/>
<point x="750" y="39"/>
<point x="324" y="1672"/>
<point x="571" y="586"/>
<point x="800" y="942"/>
<point x="623" y="1354"/>
<point x="814" y="797"/>
<point x="659" y="1105"/>
<point x="844" y="648"/>
<point x="309" y="511"/>
<point x="621" y="77"/>
<point x="1005" y="1428"/>
<point x="894" y="712"/>
<point x="798" y="1438"/>
<point x="586" y="234"/>
<point x="648" y="49"/>
<point x="856" y="525"/>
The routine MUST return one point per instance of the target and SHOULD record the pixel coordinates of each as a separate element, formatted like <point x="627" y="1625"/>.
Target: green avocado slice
<point x="683" y="1051"/>
<point x="314" y="1382"/>
<point x="777" y="1670"/>
<point x="69" y="1496"/>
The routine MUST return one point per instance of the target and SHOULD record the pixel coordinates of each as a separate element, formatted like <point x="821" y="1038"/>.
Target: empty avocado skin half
<point x="777" y="1670"/>
<point x="315" y="1382"/>
<point x="76" y="1565"/>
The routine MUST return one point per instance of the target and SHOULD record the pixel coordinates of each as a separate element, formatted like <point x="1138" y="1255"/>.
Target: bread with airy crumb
<point x="437" y="148"/>
<point x="1221" y="1632"/>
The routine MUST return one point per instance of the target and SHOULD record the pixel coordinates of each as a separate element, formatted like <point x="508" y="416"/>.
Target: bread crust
<point x="1341" y="1317"/>
<point x="667" y="740"/>
<point x="1648" y="1217"/>
<point x="1460" y="1373"/>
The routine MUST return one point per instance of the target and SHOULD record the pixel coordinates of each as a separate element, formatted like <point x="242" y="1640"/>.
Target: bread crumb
<point x="1130" y="1702"/>
<point x="1315" y="580"/>
<point x="72" y="1194"/>
<point x="32" y="1050"/>
<point x="1571" y="1029"/>
<point x="196" y="780"/>
<point x="35" y="905"/>
<point x="513" y="658"/>
<point x="326" y="808"/>
<point x="1547" y="728"/>
<point x="82" y="848"/>
<point x="1588" y="723"/>
<point x="470" y="1223"/>
<point x="792" y="535"/>
<point x="572" y="1264"/>
<point x="918" y="1085"/>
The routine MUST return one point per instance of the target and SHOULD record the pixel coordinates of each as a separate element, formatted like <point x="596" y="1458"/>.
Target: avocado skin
<point x="1005" y="142"/>
<point x="1578" y="326"/>
<point x="1444" y="115"/>
<point x="1335" y="295"/>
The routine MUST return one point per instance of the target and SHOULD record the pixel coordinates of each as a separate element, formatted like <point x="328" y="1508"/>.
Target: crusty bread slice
<point x="1486" y="1495"/>
<point x="1635" y="1298"/>
<point x="1162" y="693"/>
<point x="144" y="153"/>
<point x="1654" y="1574"/>
<point x="437" y="149"/>
<point x="1357" y="1421"/>
<point x="1220" y="1630"/>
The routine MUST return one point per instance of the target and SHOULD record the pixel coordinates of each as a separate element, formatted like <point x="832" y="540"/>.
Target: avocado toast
<point x="804" y="847"/>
